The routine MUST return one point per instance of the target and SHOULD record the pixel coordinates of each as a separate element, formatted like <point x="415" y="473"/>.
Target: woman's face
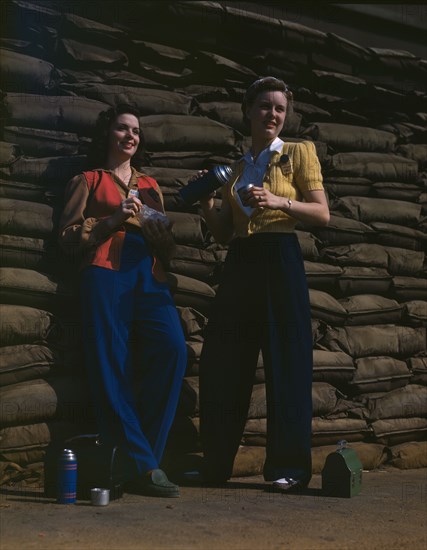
<point x="267" y="115"/>
<point x="124" y="136"/>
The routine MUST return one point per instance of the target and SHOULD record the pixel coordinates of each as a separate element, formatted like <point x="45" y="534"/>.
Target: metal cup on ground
<point x="99" y="496"/>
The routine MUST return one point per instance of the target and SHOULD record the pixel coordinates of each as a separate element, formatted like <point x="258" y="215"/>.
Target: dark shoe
<point x="198" y="478"/>
<point x="156" y="484"/>
<point x="288" y="484"/>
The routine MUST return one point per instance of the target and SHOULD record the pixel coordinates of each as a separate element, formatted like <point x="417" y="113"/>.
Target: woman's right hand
<point x="128" y="207"/>
<point x="206" y="202"/>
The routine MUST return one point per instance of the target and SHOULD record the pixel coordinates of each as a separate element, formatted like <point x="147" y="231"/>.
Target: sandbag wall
<point x="185" y="67"/>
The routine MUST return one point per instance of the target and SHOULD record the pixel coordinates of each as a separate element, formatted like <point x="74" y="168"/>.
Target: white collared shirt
<point x="254" y="171"/>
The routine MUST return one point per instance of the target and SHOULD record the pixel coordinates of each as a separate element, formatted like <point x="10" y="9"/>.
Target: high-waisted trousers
<point x="135" y="353"/>
<point x="262" y="303"/>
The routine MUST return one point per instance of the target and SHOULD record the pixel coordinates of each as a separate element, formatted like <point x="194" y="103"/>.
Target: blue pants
<point x="262" y="304"/>
<point x="126" y="312"/>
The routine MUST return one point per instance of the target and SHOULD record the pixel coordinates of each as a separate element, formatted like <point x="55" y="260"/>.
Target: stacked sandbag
<point x="186" y="69"/>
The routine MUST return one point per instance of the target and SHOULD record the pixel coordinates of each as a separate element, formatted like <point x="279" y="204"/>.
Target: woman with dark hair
<point x="124" y="291"/>
<point x="262" y="302"/>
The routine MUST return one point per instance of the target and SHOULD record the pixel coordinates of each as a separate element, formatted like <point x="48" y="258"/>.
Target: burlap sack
<point x="23" y="252"/>
<point x="26" y="219"/>
<point x="334" y="367"/>
<point x="407" y="402"/>
<point x="27" y="362"/>
<point x="321" y="276"/>
<point x="197" y="263"/>
<point x="364" y="280"/>
<point x="219" y="67"/>
<point x="36" y="142"/>
<point x="24" y="191"/>
<point x="340" y="231"/>
<point x="375" y="340"/>
<point x="32" y="401"/>
<point x="161" y="55"/>
<point x="27" y="287"/>
<point x="415" y="312"/>
<point x="405" y="262"/>
<point x="344" y="186"/>
<point x="54" y="171"/>
<point x="397" y="261"/>
<point x="418" y="366"/>
<point x="368" y="210"/>
<point x="409" y="455"/>
<point x="329" y="431"/>
<point x="188" y="229"/>
<point x="188" y="133"/>
<point x="64" y="113"/>
<point x="249" y="461"/>
<point x="90" y="30"/>
<point x="360" y="255"/>
<point x="80" y="55"/>
<point x="255" y="432"/>
<point x="409" y="288"/>
<point x="311" y="112"/>
<point x="9" y="152"/>
<point x="379" y="374"/>
<point x="188" y="292"/>
<point x="169" y="177"/>
<point x="326" y="308"/>
<point x="393" y="431"/>
<point x="189" y="160"/>
<point x="374" y="166"/>
<point x="371" y="309"/>
<point x="346" y="137"/>
<point x="27" y="325"/>
<point x="27" y="444"/>
<point x="22" y="73"/>
<point x="399" y="236"/>
<point x="206" y="93"/>
<point x="397" y="191"/>
<point x="148" y="101"/>
<point x="226" y="112"/>
<point x="194" y="349"/>
<point x="414" y="151"/>
<point x="308" y="244"/>
<point x="193" y="322"/>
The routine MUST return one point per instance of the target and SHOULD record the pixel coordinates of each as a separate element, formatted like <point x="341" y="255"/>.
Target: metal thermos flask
<point x="206" y="184"/>
<point x="67" y="477"/>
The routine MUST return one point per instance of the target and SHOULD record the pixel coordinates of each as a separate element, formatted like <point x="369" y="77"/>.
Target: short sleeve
<point x="307" y="170"/>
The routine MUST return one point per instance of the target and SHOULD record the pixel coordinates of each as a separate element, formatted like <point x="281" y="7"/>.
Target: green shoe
<point x="156" y="484"/>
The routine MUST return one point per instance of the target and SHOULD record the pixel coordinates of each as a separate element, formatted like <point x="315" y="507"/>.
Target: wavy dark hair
<point x="98" y="149"/>
<point x="266" y="84"/>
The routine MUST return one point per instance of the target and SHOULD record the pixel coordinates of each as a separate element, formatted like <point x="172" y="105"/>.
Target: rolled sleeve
<point x="76" y="232"/>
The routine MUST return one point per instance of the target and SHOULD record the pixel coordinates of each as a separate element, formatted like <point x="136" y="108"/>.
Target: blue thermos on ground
<point x="205" y="184"/>
<point x="67" y="477"/>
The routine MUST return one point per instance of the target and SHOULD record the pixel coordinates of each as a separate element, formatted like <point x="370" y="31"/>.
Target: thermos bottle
<point x="206" y="184"/>
<point x="67" y="477"/>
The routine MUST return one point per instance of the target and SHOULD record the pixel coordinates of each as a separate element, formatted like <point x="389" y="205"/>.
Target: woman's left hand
<point x="259" y="197"/>
<point x="160" y="237"/>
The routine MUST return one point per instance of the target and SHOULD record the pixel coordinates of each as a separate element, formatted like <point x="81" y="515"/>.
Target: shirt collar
<point x="275" y="145"/>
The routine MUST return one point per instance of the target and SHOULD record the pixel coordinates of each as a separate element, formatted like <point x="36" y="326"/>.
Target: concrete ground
<point x="389" y="513"/>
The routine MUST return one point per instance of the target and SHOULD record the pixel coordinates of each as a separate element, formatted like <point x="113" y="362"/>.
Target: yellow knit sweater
<point x="284" y="179"/>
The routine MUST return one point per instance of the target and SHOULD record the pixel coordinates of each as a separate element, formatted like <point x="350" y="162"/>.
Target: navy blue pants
<point x="262" y="304"/>
<point x="129" y="311"/>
